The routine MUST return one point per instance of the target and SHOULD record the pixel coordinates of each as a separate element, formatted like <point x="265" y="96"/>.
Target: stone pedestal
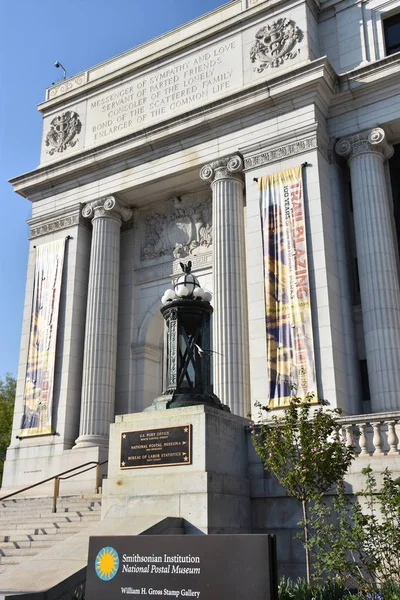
<point x="212" y="494"/>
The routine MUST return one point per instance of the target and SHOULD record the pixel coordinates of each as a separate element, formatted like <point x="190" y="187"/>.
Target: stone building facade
<point x="151" y="158"/>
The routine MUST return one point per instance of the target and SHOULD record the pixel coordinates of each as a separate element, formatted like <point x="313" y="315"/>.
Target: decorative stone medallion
<point x="274" y="43"/>
<point x="64" y="128"/>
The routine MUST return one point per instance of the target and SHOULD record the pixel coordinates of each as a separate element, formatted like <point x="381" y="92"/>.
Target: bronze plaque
<point x="162" y="447"/>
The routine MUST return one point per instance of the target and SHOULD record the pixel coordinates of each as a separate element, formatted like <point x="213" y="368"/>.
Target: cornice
<point x="382" y="67"/>
<point x="368" y="84"/>
<point x="317" y="77"/>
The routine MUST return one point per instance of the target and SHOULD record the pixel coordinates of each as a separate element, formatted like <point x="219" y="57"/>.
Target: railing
<point x="59" y="477"/>
<point x="373" y="434"/>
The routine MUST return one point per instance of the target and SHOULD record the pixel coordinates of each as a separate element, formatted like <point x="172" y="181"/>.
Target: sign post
<point x="192" y="567"/>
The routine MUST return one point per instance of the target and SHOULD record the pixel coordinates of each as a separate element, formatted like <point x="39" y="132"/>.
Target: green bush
<point x="333" y="590"/>
<point x="301" y="590"/>
<point x="303" y="449"/>
<point x="360" y="544"/>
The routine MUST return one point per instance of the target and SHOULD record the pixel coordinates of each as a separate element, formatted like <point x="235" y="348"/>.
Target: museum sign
<point x="205" y="567"/>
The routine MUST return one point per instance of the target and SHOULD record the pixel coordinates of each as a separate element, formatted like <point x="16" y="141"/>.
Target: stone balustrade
<point x="375" y="434"/>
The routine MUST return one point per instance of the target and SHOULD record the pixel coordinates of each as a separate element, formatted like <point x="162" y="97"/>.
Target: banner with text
<point x="290" y="347"/>
<point x="39" y="378"/>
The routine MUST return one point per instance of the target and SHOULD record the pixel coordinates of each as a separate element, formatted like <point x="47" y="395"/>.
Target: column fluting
<point x="376" y="246"/>
<point x="100" y="350"/>
<point x="230" y="319"/>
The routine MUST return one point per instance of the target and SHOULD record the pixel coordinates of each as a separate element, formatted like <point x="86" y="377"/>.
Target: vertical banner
<point x="39" y="377"/>
<point x="290" y="347"/>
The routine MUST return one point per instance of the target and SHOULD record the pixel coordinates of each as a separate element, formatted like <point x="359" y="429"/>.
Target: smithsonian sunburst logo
<point x="106" y="563"/>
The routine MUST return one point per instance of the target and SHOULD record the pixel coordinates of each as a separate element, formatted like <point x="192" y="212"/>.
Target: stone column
<point x="366" y="153"/>
<point x="230" y="320"/>
<point x="100" y="351"/>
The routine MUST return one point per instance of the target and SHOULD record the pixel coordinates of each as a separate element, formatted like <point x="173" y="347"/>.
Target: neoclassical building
<point x="155" y="157"/>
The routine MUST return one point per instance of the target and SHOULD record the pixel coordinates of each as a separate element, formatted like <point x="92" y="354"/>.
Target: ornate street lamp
<point x="187" y="311"/>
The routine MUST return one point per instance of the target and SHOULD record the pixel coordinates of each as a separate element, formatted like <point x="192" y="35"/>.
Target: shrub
<point x="304" y="451"/>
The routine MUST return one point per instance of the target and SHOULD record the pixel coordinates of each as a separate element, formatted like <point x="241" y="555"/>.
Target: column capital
<point x="109" y="206"/>
<point x="230" y="167"/>
<point x="368" y="141"/>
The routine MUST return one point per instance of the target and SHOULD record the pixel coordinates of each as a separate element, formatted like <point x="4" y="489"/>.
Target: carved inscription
<point x="180" y="86"/>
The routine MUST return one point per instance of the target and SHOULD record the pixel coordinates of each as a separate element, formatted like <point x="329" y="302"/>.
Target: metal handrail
<point x="57" y="478"/>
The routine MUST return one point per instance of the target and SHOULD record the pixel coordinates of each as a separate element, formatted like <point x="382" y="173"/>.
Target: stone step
<point x="45" y="523"/>
<point x="48" y="506"/>
<point x="6" y="547"/>
<point x="6" y="516"/>
<point x="40" y="528"/>
<point x="25" y="520"/>
<point x="38" y="502"/>
<point x="15" y="560"/>
<point x="18" y="553"/>
<point x="48" y="502"/>
<point x="57" y="536"/>
<point x="28" y="526"/>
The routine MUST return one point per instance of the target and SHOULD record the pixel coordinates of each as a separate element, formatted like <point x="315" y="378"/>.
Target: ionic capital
<point x="230" y="167"/>
<point x="109" y="206"/>
<point x="369" y="141"/>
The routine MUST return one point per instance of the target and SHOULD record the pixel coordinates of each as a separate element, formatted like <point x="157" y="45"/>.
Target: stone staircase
<point x="28" y="525"/>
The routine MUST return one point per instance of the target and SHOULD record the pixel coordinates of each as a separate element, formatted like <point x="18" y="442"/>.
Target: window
<point x="364" y="381"/>
<point x="391" y="28"/>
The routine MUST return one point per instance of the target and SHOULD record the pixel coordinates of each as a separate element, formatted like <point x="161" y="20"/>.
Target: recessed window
<point x="391" y="28"/>
<point x="364" y="381"/>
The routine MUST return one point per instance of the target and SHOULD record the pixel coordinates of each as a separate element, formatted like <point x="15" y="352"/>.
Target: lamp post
<point x="187" y="311"/>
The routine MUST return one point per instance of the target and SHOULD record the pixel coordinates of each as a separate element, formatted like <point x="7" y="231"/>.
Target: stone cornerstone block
<point x="212" y="493"/>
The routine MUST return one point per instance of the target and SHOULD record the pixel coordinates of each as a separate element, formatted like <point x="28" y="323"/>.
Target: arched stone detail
<point x="147" y="354"/>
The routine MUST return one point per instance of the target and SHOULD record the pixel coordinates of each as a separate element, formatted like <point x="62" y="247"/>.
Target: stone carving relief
<point x="66" y="86"/>
<point x="280" y="152"/>
<point x="371" y="140"/>
<point x="63" y="129"/>
<point x="181" y="232"/>
<point x="274" y="44"/>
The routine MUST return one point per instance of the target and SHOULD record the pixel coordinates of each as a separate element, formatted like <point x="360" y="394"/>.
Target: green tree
<point x="357" y="538"/>
<point x="305" y="452"/>
<point x="7" y="397"/>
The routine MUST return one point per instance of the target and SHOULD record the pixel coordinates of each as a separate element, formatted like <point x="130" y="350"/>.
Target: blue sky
<point x="33" y="35"/>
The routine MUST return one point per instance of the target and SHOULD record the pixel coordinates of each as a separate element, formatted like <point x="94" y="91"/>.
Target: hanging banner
<point x="39" y="378"/>
<point x="290" y="347"/>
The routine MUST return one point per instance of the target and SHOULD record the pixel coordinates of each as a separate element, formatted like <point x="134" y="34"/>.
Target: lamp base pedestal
<point x="168" y="401"/>
<point x="211" y="492"/>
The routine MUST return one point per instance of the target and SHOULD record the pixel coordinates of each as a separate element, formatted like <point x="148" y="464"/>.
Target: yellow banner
<point x="290" y="347"/>
<point x="39" y="378"/>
